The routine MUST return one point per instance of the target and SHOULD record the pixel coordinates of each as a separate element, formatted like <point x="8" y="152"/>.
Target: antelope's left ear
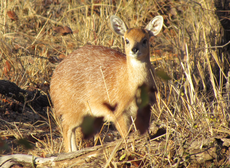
<point x="155" y="25"/>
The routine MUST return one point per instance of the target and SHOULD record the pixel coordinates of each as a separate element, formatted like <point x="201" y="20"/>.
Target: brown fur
<point x="94" y="75"/>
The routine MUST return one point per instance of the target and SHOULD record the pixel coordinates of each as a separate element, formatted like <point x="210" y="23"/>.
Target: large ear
<point x="155" y="25"/>
<point x="117" y="25"/>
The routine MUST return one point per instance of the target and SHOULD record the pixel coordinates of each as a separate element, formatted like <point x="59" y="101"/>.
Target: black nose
<point x="135" y="49"/>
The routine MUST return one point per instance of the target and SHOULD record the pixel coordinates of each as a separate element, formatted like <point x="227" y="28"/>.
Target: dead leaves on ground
<point x="63" y="30"/>
<point x="7" y="68"/>
<point x="12" y="15"/>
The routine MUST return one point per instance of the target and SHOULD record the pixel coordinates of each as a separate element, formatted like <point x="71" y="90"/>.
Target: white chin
<point x="134" y="55"/>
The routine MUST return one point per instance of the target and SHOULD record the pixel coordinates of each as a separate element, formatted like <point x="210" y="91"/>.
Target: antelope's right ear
<point x="118" y="25"/>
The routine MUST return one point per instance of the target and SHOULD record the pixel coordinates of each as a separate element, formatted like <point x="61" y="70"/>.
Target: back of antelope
<point x="94" y="75"/>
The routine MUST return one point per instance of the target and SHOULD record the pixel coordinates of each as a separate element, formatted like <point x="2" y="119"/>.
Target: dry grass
<point x="193" y="106"/>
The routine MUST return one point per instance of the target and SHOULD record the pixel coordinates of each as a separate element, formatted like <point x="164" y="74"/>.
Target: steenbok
<point x="92" y="76"/>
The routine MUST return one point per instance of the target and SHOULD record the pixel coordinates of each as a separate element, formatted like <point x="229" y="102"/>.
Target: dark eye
<point x="145" y="41"/>
<point x="126" y="41"/>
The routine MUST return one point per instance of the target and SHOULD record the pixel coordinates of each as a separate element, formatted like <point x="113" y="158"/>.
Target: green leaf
<point x="25" y="143"/>
<point x="122" y="157"/>
<point x="87" y="125"/>
<point x="91" y="125"/>
<point x="144" y="96"/>
<point x="162" y="74"/>
<point x="3" y="145"/>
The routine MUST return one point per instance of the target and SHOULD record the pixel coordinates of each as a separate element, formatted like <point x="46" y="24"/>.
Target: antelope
<point x="93" y="75"/>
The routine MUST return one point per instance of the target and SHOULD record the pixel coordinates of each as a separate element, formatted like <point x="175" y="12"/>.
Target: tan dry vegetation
<point x="193" y="107"/>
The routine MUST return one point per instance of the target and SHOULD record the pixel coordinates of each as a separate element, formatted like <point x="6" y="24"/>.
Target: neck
<point x="139" y="71"/>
